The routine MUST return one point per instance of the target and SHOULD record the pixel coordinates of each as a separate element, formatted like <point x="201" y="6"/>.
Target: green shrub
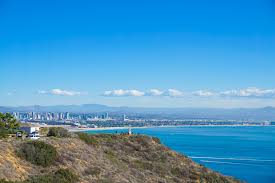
<point x="64" y="176"/>
<point x="44" y="131"/>
<point x="143" y="165"/>
<point x="94" y="171"/>
<point x="157" y="140"/>
<point x="60" y="176"/>
<point x="143" y="140"/>
<point x="214" y="177"/>
<point x="105" y="180"/>
<point x="38" y="153"/>
<point x="110" y="154"/>
<point x="176" y="171"/>
<point x="58" y="132"/>
<point x="89" y="139"/>
<point x="3" y="134"/>
<point x="5" y="181"/>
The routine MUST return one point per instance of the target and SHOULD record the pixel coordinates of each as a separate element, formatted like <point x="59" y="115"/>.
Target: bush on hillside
<point x="5" y="181"/>
<point x="89" y="139"/>
<point x="94" y="171"/>
<point x="3" y="134"/>
<point x="44" y="131"/>
<point x="38" y="153"/>
<point x="145" y="165"/>
<point x="157" y="140"/>
<point x="143" y="140"/>
<point x="58" y="132"/>
<point x="60" y="176"/>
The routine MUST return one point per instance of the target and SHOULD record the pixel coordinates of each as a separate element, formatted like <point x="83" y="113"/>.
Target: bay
<point x="245" y="152"/>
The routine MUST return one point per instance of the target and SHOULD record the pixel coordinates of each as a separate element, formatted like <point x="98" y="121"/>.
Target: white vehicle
<point x="34" y="136"/>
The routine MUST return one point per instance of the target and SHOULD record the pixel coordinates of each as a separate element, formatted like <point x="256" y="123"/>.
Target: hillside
<point x="107" y="158"/>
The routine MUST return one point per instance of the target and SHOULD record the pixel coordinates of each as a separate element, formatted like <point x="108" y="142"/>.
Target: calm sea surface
<point x="247" y="153"/>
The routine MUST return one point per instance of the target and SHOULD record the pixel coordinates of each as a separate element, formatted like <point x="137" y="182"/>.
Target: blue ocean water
<point x="246" y="152"/>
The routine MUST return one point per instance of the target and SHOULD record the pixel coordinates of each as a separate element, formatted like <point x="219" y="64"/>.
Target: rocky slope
<point x="109" y="158"/>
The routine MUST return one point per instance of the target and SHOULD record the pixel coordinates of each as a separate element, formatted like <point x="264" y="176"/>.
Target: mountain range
<point x="266" y="113"/>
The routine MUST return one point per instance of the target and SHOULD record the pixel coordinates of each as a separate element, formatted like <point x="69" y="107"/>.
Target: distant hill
<point x="58" y="108"/>
<point x="267" y="113"/>
<point x="105" y="159"/>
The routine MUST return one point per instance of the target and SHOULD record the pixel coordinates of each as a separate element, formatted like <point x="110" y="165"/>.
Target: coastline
<point x="103" y="128"/>
<point x="75" y="129"/>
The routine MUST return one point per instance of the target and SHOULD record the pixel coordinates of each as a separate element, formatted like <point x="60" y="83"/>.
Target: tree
<point x="2" y="124"/>
<point x="8" y="122"/>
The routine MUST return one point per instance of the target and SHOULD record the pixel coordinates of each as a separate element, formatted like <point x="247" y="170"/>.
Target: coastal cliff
<point x="99" y="158"/>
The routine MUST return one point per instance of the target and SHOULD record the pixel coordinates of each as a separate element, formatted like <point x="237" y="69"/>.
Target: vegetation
<point x="60" y="176"/>
<point x="8" y="125"/>
<point x="157" y="140"/>
<point x="3" y="133"/>
<point x="7" y="121"/>
<point x="102" y="158"/>
<point x="58" y="132"/>
<point x="38" y="153"/>
<point x="88" y="139"/>
<point x="143" y="165"/>
<point x="94" y="171"/>
<point x="44" y="131"/>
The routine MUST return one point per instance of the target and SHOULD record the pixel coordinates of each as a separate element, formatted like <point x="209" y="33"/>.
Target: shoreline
<point x="102" y="128"/>
<point x="72" y="129"/>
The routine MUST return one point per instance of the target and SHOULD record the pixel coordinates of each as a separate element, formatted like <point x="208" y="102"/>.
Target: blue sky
<point x="138" y="53"/>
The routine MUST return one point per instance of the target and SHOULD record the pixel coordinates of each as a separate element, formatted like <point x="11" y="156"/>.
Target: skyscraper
<point x="33" y="116"/>
<point x="67" y="115"/>
<point x="105" y="116"/>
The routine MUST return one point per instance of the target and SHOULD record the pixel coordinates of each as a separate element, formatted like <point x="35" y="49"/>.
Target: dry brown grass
<point x="115" y="158"/>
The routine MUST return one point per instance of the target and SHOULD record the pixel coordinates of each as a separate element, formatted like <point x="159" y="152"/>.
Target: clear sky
<point x="149" y="53"/>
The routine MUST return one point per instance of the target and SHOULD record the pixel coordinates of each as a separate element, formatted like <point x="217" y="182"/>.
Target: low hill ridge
<point x="109" y="159"/>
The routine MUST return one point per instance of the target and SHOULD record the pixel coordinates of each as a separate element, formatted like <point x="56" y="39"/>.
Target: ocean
<point x="244" y="152"/>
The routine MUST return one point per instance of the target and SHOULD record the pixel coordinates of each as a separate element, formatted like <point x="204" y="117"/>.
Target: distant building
<point x="124" y="117"/>
<point x="16" y="115"/>
<point x="105" y="116"/>
<point x="266" y="123"/>
<point x="33" y="116"/>
<point x="48" y="116"/>
<point x="67" y="115"/>
<point x="38" y="116"/>
<point x="32" y="132"/>
<point x="29" y="129"/>
<point x="56" y="116"/>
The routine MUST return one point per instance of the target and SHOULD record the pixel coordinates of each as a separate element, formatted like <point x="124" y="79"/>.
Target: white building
<point x="32" y="132"/>
<point x="29" y="129"/>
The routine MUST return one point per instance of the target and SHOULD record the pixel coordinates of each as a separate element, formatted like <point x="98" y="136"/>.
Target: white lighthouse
<point x="130" y="131"/>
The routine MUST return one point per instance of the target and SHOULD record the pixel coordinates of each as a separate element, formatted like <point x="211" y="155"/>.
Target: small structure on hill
<point x="32" y="132"/>
<point x="130" y="131"/>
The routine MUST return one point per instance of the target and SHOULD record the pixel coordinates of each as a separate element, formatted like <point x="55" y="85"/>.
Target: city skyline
<point x="143" y="54"/>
